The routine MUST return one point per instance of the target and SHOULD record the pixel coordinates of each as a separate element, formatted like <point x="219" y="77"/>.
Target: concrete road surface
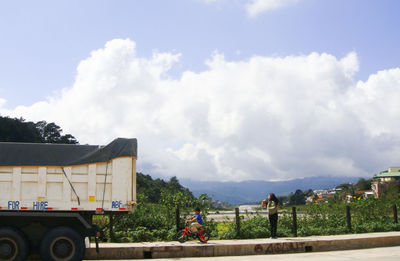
<point x="372" y="254"/>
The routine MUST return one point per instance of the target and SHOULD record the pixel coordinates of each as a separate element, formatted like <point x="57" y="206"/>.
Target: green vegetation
<point x="19" y="130"/>
<point x="370" y="215"/>
<point x="154" y="218"/>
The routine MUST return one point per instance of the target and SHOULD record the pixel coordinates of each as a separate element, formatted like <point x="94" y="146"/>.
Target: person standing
<point x="272" y="206"/>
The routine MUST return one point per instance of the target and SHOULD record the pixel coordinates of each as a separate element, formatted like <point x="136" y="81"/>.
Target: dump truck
<point x="49" y="194"/>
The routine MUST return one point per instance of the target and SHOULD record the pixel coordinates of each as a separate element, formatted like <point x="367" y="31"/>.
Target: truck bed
<point x="48" y="177"/>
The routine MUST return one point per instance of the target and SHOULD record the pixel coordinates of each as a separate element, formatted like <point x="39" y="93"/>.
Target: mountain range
<point x="255" y="190"/>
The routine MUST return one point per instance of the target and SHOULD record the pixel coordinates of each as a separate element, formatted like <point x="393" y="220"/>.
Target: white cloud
<point x="262" y="118"/>
<point x="2" y="102"/>
<point x="256" y="7"/>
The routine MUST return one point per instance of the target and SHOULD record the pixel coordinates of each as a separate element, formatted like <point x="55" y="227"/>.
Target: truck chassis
<point x="54" y="235"/>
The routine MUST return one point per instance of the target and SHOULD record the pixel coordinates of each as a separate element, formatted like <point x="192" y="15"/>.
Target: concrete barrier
<point x="243" y="247"/>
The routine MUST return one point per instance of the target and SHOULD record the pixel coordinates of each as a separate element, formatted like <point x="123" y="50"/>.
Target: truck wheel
<point x="62" y="244"/>
<point x="13" y="245"/>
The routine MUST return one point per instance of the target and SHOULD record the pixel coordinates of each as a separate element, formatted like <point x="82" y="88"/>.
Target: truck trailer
<point x="49" y="194"/>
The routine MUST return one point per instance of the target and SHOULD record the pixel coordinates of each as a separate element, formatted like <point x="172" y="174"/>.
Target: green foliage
<point x="154" y="217"/>
<point x="149" y="189"/>
<point x="392" y="192"/>
<point x="150" y="222"/>
<point x="321" y="219"/>
<point x="156" y="221"/>
<point x="298" y="198"/>
<point x="52" y="133"/>
<point x="255" y="227"/>
<point x="18" y="130"/>
<point x="363" y="184"/>
<point x="370" y="215"/>
<point x="160" y="191"/>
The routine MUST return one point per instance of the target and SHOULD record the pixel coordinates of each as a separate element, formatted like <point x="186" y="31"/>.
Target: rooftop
<point x="388" y="175"/>
<point x="42" y="154"/>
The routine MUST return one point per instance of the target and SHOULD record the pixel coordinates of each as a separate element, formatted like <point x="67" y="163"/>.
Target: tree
<point x="174" y="184"/>
<point x="391" y="191"/>
<point x="298" y="198"/>
<point x="150" y="188"/>
<point x="18" y="130"/>
<point x="155" y="190"/>
<point x="309" y="193"/>
<point x="282" y="200"/>
<point x="52" y="133"/>
<point x="205" y="200"/>
<point x="363" y="184"/>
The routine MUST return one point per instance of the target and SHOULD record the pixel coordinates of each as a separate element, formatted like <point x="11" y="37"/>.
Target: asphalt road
<point x="372" y="254"/>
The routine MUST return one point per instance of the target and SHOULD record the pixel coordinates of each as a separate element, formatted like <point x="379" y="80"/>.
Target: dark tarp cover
<point x="40" y="154"/>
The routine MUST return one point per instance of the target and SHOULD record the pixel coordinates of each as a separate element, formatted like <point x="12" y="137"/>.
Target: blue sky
<point x="224" y="90"/>
<point x="43" y="41"/>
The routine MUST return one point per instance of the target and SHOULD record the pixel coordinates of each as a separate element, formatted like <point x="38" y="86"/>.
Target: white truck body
<point x="46" y="187"/>
<point x="100" y="186"/>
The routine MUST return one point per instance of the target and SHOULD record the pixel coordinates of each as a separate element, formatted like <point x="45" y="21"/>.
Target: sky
<point x="225" y="90"/>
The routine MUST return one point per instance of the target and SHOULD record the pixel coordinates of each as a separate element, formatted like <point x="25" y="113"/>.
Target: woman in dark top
<point x="272" y="206"/>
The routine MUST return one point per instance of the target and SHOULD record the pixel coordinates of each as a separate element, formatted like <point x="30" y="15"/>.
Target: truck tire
<point x="62" y="244"/>
<point x="13" y="245"/>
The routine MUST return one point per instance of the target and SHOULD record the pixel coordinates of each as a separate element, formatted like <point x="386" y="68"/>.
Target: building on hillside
<point x="366" y="194"/>
<point x="384" y="180"/>
<point x="310" y="199"/>
<point x="329" y="194"/>
<point x="324" y="194"/>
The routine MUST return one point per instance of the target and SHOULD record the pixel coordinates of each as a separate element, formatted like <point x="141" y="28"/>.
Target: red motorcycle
<point x="202" y="235"/>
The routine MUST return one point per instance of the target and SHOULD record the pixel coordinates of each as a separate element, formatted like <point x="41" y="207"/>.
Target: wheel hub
<point x="62" y="248"/>
<point x="8" y="249"/>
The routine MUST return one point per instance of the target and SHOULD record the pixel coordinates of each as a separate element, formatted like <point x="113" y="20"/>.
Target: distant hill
<point x="255" y="190"/>
<point x="150" y="190"/>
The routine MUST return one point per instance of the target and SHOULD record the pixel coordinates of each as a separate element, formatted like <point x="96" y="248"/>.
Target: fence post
<point x="177" y="219"/>
<point x="294" y="215"/>
<point x="111" y="225"/>
<point x="237" y="222"/>
<point x="348" y="217"/>
<point x="395" y="214"/>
